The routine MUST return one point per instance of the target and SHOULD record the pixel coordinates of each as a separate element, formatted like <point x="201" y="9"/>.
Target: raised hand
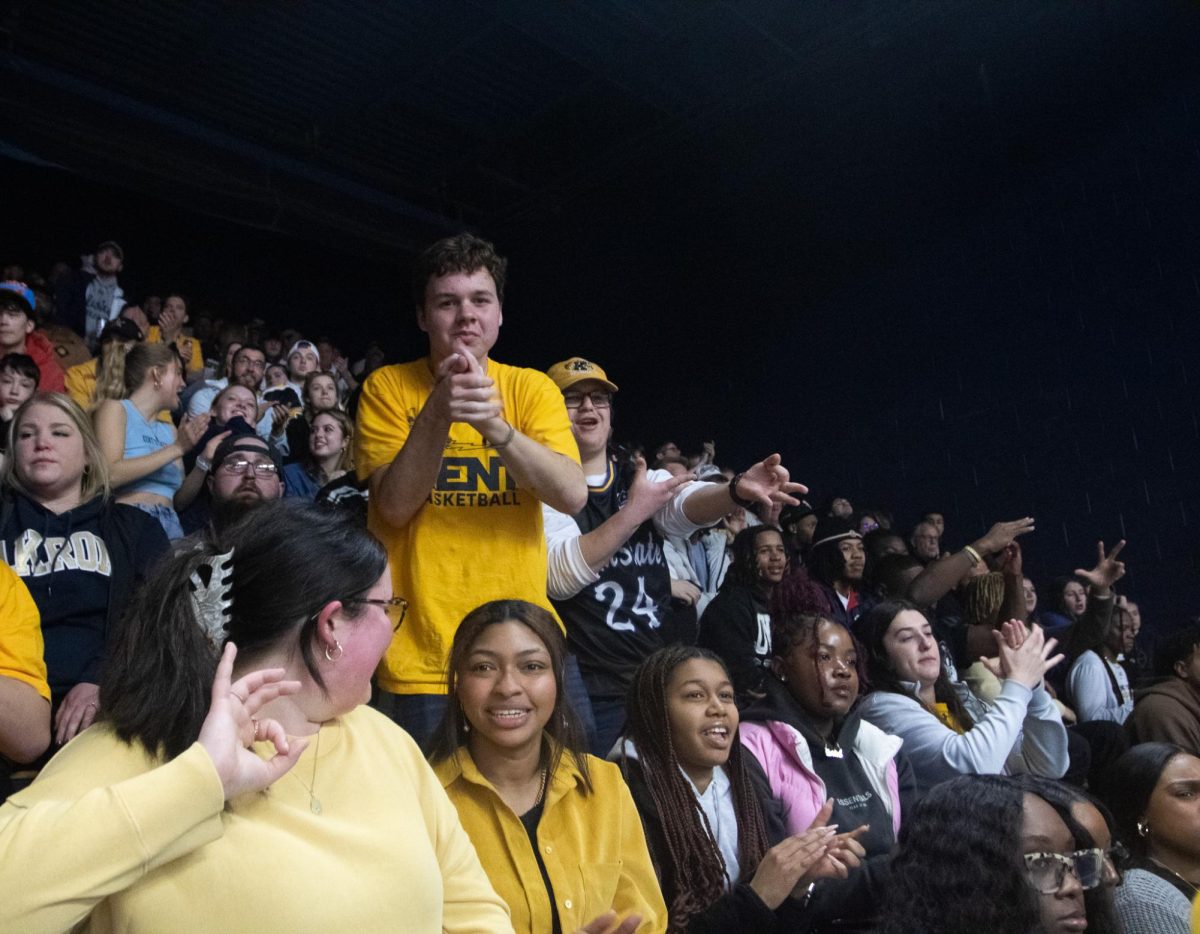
<point x="646" y="497"/>
<point x="230" y="728"/>
<point x="1002" y="534"/>
<point x="1011" y="561"/>
<point x="768" y="482"/>
<point x="1108" y="569"/>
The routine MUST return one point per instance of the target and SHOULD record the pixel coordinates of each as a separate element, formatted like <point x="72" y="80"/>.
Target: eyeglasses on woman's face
<point x="396" y="608"/>
<point x="1048" y="871"/>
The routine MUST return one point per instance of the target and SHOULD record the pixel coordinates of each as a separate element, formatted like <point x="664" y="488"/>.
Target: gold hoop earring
<point x="337" y="647"/>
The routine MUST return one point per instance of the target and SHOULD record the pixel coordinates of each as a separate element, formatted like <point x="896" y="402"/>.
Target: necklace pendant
<point x="833" y="750"/>
<point x="314" y="804"/>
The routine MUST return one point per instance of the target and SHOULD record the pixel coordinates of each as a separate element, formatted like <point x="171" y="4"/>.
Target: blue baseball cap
<point x="22" y="292"/>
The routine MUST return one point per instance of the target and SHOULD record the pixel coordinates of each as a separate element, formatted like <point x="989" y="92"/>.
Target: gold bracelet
<point x="972" y="554"/>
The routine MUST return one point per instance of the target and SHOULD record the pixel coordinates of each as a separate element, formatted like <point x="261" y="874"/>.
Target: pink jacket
<point x="784" y="755"/>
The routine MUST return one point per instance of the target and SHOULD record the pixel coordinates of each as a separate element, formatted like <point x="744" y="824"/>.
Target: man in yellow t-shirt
<point x="24" y="693"/>
<point x="460" y="452"/>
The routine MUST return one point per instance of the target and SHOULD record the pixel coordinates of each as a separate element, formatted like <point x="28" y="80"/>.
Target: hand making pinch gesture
<point x="230" y="729"/>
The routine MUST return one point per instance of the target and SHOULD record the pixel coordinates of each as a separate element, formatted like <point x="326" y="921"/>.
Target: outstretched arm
<point x="766" y="482"/>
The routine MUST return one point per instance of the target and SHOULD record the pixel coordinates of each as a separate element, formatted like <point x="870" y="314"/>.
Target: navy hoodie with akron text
<point x="81" y="567"/>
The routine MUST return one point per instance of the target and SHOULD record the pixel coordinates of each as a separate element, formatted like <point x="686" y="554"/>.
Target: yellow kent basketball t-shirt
<point x="477" y="537"/>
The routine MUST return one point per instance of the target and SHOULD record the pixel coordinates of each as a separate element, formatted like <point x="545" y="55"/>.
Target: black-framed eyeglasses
<point x="236" y="467"/>
<point x="395" y="608"/>
<point x="1048" y="871"/>
<point x="600" y="399"/>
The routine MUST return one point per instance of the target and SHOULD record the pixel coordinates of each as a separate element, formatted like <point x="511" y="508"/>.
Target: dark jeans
<point x="610" y="720"/>
<point x="417" y="714"/>
<point x="421" y="714"/>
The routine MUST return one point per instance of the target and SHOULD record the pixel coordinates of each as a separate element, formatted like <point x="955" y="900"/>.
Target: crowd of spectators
<point x="563" y="683"/>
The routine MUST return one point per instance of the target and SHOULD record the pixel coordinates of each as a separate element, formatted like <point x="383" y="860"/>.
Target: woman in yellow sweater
<point x="556" y="829"/>
<point x="127" y="829"/>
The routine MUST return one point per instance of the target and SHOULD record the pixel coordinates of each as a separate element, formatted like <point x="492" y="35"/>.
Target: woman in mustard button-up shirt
<point x="556" y="829"/>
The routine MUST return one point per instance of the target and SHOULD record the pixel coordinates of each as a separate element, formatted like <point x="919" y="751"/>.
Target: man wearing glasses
<point x="245" y="473"/>
<point x="460" y="451"/>
<point x="608" y="576"/>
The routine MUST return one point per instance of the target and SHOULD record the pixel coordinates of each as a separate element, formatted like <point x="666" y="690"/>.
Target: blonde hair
<point x="110" y="373"/>
<point x="95" y="481"/>
<point x="346" y="462"/>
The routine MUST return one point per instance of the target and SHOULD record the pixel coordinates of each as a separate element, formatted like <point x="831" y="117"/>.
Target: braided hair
<point x="982" y="598"/>
<point x="694" y="876"/>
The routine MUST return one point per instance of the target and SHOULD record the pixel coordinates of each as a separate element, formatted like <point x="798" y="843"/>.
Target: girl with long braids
<point x="129" y="828"/>
<point x="723" y="856"/>
<point x="555" y="828"/>
<point x="814" y="747"/>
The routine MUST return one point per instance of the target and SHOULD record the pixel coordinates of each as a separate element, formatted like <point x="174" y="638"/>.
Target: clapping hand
<point x="843" y="853"/>
<point x="790" y="861"/>
<point x="1024" y="655"/>
<point x="464" y="392"/>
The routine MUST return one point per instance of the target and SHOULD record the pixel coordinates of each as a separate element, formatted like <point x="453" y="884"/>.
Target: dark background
<point x="937" y="254"/>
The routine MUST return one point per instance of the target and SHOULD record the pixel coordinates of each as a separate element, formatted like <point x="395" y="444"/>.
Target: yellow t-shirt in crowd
<point x="22" y="653"/>
<point x="80" y="381"/>
<point x="477" y="537"/>
<point x="193" y="365"/>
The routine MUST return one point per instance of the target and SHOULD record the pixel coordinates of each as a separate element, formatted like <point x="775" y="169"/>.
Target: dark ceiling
<point x="934" y="252"/>
<point x="387" y="122"/>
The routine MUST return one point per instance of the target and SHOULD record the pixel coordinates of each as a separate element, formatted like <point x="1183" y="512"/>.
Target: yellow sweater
<point x="592" y="844"/>
<point x="151" y="849"/>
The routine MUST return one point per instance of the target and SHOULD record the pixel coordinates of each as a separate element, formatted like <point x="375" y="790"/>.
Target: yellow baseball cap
<point x="569" y="372"/>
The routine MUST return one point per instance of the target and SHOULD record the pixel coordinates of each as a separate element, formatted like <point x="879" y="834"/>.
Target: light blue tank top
<point x="141" y="438"/>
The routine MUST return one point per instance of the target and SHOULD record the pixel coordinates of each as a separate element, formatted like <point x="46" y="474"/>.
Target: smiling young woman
<point x="725" y="859"/>
<point x="509" y="753"/>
